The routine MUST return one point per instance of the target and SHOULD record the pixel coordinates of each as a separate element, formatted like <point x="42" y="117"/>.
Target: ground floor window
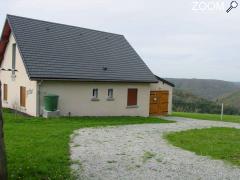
<point x="22" y="96"/>
<point x="5" y="92"/>
<point x="132" y="97"/>
<point x="95" y="93"/>
<point x="110" y="93"/>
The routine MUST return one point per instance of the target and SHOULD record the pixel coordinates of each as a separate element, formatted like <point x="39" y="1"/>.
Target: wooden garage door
<point x="158" y="102"/>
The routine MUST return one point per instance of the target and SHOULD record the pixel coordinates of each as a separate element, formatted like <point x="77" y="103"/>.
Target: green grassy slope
<point x="215" y="117"/>
<point x="38" y="148"/>
<point x="218" y="143"/>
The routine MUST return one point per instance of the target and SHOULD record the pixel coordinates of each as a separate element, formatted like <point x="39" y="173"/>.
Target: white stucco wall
<point x="160" y="86"/>
<point x="20" y="80"/>
<point x="75" y="97"/>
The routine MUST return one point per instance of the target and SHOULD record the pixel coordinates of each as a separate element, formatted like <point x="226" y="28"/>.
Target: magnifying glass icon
<point x="233" y="4"/>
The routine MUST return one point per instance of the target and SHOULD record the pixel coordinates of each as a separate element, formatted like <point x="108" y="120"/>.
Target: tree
<point x="3" y="159"/>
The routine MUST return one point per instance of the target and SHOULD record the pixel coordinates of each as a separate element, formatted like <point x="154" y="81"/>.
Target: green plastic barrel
<point x="51" y="102"/>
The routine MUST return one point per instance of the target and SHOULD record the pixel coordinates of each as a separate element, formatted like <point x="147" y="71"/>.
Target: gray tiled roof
<point x="57" y="51"/>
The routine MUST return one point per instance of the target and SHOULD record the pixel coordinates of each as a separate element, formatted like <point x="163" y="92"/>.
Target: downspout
<point x="39" y="83"/>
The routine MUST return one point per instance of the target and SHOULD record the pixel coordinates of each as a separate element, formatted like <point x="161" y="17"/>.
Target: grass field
<point x="215" y="117"/>
<point x="218" y="143"/>
<point x="39" y="149"/>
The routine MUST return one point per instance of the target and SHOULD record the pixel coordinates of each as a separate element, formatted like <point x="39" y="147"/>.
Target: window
<point x="132" y="97"/>
<point x="95" y="93"/>
<point x="110" y="93"/>
<point x="13" y="58"/>
<point x="5" y="92"/>
<point x="22" y="96"/>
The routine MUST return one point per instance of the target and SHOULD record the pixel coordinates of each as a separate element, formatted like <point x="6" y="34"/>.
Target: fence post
<point x="222" y="112"/>
<point x="3" y="160"/>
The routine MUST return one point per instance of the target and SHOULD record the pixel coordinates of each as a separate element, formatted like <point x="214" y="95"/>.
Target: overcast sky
<point x="175" y="38"/>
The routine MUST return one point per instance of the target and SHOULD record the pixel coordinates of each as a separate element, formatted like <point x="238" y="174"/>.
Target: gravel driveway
<point x="140" y="152"/>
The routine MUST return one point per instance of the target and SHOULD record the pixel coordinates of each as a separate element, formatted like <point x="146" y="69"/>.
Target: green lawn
<point x="39" y="149"/>
<point x="218" y="143"/>
<point x="215" y="117"/>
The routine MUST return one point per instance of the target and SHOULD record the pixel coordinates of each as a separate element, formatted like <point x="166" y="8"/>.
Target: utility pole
<point x="222" y="112"/>
<point x="3" y="159"/>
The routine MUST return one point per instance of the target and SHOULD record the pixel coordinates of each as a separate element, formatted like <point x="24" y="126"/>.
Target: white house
<point x="94" y="73"/>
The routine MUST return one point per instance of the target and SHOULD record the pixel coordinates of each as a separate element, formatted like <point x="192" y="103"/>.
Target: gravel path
<point x="140" y="152"/>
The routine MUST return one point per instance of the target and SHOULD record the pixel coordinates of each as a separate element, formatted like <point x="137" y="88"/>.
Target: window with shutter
<point x="5" y="92"/>
<point x="132" y="97"/>
<point x="22" y="96"/>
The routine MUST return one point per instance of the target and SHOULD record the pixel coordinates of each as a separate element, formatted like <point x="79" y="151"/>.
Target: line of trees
<point x="203" y="107"/>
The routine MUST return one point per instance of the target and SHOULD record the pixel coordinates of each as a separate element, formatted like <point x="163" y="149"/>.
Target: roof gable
<point x="4" y="40"/>
<point x="57" y="51"/>
<point x="6" y="63"/>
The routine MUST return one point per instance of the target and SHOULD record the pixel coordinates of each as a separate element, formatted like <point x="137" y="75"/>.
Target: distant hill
<point x="206" y="96"/>
<point x="186" y="102"/>
<point x="206" y="88"/>
<point x="237" y="83"/>
<point x="232" y="100"/>
<point x="181" y="96"/>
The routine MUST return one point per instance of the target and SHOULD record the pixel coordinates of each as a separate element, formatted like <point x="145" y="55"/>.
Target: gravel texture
<point x="140" y="152"/>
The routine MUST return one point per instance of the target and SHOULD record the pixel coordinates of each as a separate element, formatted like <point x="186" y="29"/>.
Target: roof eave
<point x="93" y="80"/>
<point x="165" y="81"/>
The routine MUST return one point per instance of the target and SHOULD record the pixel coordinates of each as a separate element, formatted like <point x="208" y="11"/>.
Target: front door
<point x="158" y="102"/>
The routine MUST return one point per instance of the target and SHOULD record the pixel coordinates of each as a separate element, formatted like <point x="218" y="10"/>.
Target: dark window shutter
<point x="5" y="92"/>
<point x="132" y="97"/>
<point x="22" y="96"/>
